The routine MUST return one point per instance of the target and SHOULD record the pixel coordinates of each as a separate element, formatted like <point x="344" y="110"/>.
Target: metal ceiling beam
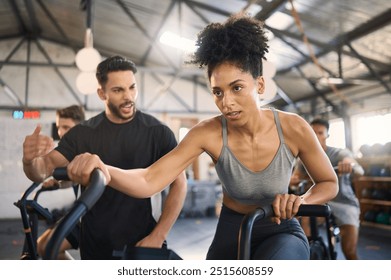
<point x="36" y="29"/>
<point x="31" y="63"/>
<point x="343" y="39"/>
<point x="320" y="94"/>
<point x="369" y="27"/>
<point x="154" y="37"/>
<point x="268" y="8"/>
<point x="206" y="7"/>
<point x="64" y="80"/>
<point x="292" y="46"/>
<point x="198" y="13"/>
<point x="55" y="23"/>
<point x="168" y="89"/>
<point x="8" y="90"/>
<point x="16" y="11"/>
<point x="71" y="44"/>
<point x="12" y="52"/>
<point x="144" y="31"/>
<point x="373" y="72"/>
<point x="326" y="48"/>
<point x="286" y="98"/>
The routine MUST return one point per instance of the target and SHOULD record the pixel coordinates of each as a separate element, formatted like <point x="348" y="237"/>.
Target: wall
<point x="12" y="178"/>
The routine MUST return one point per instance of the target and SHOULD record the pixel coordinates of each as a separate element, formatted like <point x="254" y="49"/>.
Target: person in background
<point x="254" y="149"/>
<point x="345" y="207"/>
<point x="66" y="118"/>
<point x="123" y="137"/>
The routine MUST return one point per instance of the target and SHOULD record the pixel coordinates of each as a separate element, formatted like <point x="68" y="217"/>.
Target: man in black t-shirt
<point x="123" y="137"/>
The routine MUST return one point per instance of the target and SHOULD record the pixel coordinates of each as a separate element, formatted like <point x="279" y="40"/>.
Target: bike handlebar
<point x="60" y="173"/>
<point x="244" y="244"/>
<point x="86" y="201"/>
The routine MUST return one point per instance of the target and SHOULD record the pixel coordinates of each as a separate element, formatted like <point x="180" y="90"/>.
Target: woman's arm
<point x="142" y="182"/>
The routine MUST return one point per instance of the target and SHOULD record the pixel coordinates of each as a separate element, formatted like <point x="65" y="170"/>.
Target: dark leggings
<point x="270" y="241"/>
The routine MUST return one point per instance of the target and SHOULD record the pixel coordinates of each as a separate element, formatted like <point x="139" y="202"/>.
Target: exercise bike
<point x="319" y="248"/>
<point x="244" y="241"/>
<point x="85" y="202"/>
<point x="95" y="190"/>
<point x="31" y="213"/>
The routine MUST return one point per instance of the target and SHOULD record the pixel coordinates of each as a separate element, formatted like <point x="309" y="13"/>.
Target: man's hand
<point x="50" y="182"/>
<point x="345" y="166"/>
<point x="36" y="145"/>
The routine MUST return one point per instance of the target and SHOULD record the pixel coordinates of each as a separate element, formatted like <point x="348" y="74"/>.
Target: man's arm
<point x="348" y="164"/>
<point x="171" y="210"/>
<point x="39" y="158"/>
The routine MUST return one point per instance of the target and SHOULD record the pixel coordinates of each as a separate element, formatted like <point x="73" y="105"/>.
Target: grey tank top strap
<point x="224" y="127"/>
<point x="278" y="125"/>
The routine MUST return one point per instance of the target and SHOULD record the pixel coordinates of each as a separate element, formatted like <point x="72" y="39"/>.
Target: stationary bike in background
<point x="319" y="248"/>
<point x="32" y="214"/>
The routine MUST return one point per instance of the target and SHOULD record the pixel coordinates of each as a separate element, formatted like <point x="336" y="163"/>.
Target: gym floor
<point x="190" y="239"/>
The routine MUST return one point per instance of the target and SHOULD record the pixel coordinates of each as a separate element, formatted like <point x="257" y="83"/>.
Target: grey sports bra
<point x="255" y="188"/>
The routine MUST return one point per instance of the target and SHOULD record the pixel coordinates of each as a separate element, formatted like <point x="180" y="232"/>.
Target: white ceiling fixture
<point x="171" y="39"/>
<point x="87" y="59"/>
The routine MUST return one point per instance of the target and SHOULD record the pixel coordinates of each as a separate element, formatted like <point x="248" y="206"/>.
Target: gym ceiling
<point x="331" y="57"/>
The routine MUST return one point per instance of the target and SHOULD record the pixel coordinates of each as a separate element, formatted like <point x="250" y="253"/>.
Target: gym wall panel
<point x="13" y="182"/>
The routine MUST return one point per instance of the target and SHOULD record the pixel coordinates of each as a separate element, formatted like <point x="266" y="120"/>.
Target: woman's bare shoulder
<point x="209" y="124"/>
<point x="293" y="123"/>
<point x="296" y="130"/>
<point x="206" y="135"/>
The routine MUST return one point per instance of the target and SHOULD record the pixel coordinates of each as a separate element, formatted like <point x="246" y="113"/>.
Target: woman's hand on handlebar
<point x="286" y="206"/>
<point x="80" y="168"/>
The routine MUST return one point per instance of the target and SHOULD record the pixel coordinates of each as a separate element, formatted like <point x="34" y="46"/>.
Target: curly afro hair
<point x="241" y="40"/>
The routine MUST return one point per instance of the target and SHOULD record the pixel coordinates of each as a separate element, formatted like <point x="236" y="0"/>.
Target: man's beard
<point x="117" y="112"/>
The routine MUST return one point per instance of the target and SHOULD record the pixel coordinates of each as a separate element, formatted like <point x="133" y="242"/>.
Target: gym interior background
<point x="327" y="58"/>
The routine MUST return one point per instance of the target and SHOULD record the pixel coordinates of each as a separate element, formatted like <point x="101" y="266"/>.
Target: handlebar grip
<point x="85" y="202"/>
<point x="316" y="210"/>
<point x="94" y="190"/>
<point x="60" y="173"/>
<point x="265" y="212"/>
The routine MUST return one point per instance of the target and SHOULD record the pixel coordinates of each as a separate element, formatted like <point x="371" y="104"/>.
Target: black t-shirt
<point x="117" y="219"/>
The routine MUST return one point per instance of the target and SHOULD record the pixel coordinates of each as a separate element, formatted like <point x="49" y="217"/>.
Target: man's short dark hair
<point x="74" y="112"/>
<point x="113" y="64"/>
<point x="320" y="121"/>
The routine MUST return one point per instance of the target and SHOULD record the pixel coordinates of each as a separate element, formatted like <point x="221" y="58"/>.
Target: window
<point x="337" y="134"/>
<point x="370" y="129"/>
<point x="367" y="129"/>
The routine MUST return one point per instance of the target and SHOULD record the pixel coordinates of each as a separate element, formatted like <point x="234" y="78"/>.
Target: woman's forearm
<point x="140" y="183"/>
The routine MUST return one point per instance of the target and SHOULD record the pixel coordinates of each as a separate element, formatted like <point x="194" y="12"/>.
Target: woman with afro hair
<point x="254" y="149"/>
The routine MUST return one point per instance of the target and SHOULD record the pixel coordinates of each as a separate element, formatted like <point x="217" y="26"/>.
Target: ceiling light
<point x="86" y="82"/>
<point x="88" y="58"/>
<point x="327" y="81"/>
<point x="173" y="40"/>
<point x="279" y="21"/>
